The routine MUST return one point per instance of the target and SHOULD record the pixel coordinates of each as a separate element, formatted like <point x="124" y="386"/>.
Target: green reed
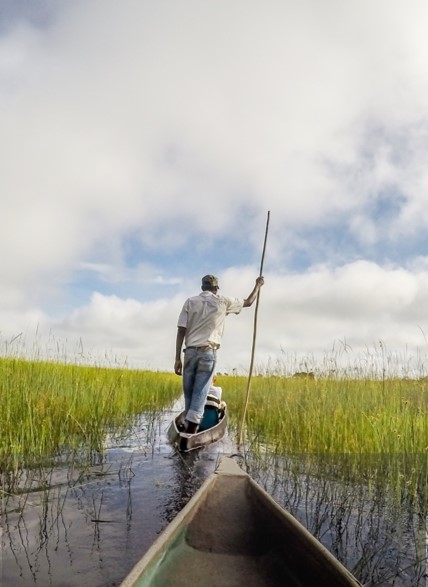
<point x="366" y="431"/>
<point x="330" y="416"/>
<point x="48" y="407"/>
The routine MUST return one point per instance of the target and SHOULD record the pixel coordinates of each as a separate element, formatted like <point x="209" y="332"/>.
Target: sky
<point x="143" y="143"/>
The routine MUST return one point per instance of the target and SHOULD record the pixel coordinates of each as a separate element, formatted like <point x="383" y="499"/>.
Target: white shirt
<point x="203" y="317"/>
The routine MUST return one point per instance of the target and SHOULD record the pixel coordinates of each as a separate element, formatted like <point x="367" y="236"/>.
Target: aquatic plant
<point x="369" y="431"/>
<point x="49" y="408"/>
<point x="331" y="416"/>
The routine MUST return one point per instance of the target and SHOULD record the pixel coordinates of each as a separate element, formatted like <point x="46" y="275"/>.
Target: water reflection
<point x="90" y="523"/>
<point x="95" y="519"/>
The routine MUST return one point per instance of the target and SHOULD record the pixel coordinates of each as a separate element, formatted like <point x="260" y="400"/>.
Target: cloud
<point x="141" y="145"/>
<point x="337" y="315"/>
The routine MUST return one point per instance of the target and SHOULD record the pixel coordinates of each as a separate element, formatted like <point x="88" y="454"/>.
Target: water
<point x="88" y="525"/>
<point x="382" y="540"/>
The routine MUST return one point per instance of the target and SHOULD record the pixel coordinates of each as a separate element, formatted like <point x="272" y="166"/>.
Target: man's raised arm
<point x="250" y="299"/>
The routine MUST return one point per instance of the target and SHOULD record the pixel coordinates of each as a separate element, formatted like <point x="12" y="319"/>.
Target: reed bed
<point x="331" y="416"/>
<point x="354" y="430"/>
<point x="49" y="408"/>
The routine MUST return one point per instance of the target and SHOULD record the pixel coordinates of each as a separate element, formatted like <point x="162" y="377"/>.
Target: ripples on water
<point x="88" y="525"/>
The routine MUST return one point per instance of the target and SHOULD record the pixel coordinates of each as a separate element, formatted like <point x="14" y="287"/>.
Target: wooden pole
<point x="247" y="397"/>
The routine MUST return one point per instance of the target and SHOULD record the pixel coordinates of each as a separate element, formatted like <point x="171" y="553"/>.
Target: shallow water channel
<point x="89" y="524"/>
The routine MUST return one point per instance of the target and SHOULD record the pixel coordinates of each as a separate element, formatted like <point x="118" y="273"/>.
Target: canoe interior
<point x="234" y="534"/>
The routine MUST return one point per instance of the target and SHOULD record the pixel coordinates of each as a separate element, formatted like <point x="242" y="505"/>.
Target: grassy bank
<point x="49" y="407"/>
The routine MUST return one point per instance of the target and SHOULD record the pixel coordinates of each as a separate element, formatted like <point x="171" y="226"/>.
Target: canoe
<point x="186" y="442"/>
<point x="232" y="533"/>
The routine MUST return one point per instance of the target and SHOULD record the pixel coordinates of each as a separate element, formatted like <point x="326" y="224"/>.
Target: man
<point x="200" y="325"/>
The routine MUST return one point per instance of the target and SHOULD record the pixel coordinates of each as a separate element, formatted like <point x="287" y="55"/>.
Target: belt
<point x="200" y="348"/>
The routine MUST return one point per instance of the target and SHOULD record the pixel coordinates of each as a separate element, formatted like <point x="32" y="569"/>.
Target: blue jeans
<point x="198" y="370"/>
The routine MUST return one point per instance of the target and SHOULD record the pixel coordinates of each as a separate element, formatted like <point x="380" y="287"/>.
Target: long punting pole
<point x="247" y="397"/>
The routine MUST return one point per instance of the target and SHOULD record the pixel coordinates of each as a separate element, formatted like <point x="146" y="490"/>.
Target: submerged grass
<point x="48" y="408"/>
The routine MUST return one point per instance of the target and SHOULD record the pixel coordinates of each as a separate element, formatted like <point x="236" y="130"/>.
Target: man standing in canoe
<point x="200" y="325"/>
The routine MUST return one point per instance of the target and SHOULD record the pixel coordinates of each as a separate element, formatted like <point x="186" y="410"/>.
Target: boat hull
<point x="232" y="533"/>
<point x="187" y="442"/>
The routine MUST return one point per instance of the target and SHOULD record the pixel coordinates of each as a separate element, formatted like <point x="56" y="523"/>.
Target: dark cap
<point x="209" y="281"/>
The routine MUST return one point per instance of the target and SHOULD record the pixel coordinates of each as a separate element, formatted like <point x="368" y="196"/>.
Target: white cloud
<point x="321" y="313"/>
<point x="177" y="123"/>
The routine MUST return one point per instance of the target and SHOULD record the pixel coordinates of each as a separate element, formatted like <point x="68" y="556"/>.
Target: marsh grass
<point x="361" y="430"/>
<point x="350" y="458"/>
<point x="331" y="416"/>
<point x="375" y="428"/>
<point x="49" y="408"/>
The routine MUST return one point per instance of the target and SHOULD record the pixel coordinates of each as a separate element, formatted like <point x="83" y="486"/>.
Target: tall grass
<point x="331" y="416"/>
<point x="365" y="430"/>
<point x="48" y="407"/>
